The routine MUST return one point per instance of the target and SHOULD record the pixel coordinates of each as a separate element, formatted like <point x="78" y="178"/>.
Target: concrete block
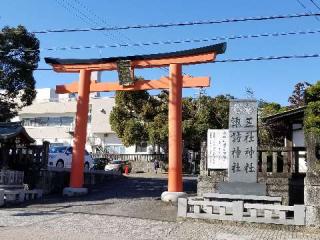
<point x="1" y="197"/>
<point x="172" y="196"/>
<point x="196" y="209"/>
<point x="237" y="209"/>
<point x="299" y="214"/>
<point x="282" y="215"/>
<point x="73" y="192"/>
<point x="258" y="189"/>
<point x="268" y="214"/>
<point x="22" y="196"/>
<point x="253" y="213"/>
<point x="182" y="207"/>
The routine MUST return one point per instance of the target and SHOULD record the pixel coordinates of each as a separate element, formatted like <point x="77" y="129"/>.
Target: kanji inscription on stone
<point x="243" y="141"/>
<point x="218" y="148"/>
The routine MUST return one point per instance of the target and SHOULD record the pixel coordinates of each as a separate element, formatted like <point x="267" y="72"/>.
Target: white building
<point x="51" y="118"/>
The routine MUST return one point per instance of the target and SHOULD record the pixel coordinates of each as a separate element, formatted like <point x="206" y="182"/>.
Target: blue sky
<point x="270" y="80"/>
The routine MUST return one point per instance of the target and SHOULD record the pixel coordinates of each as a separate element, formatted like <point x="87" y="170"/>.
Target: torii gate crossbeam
<point x="175" y="82"/>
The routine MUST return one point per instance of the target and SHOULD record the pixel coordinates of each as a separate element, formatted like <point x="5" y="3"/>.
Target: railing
<point x="10" y="178"/>
<point x="240" y="211"/>
<point x="131" y="157"/>
<point x="279" y="161"/>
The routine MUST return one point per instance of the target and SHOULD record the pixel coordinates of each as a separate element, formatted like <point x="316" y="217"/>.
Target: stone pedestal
<point x="257" y="189"/>
<point x="172" y="196"/>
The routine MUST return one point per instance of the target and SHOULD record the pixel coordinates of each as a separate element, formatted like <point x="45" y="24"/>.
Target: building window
<point x="54" y="121"/>
<point x="116" y="149"/>
<point x="66" y="121"/>
<point x="47" y="121"/>
<point x="141" y="147"/>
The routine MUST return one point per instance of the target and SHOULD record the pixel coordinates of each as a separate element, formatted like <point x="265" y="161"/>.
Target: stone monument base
<point x="73" y="192"/>
<point x="172" y="196"/>
<point x="258" y="189"/>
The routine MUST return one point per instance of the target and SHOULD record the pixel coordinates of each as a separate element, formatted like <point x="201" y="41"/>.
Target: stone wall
<point x="141" y="166"/>
<point x="276" y="186"/>
<point x="209" y="183"/>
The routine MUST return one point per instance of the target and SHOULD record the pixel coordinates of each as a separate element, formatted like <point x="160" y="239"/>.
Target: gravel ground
<point x="128" y="208"/>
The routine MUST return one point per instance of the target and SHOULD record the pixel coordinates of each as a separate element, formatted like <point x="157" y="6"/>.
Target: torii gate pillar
<point x="80" y="136"/>
<point x="175" y="183"/>
<point x="175" y="131"/>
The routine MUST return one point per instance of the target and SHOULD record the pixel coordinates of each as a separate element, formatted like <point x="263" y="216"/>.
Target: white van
<point x="61" y="157"/>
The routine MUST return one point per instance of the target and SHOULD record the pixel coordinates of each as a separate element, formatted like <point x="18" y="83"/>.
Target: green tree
<point x="130" y="116"/>
<point x="297" y="98"/>
<point x="202" y="114"/>
<point x="270" y="134"/>
<point x="312" y="112"/>
<point x="137" y="117"/>
<point x="19" y="55"/>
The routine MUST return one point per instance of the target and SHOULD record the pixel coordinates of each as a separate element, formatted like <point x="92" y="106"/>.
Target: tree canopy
<point x="312" y="112"/>
<point x="138" y="116"/>
<point x="297" y="98"/>
<point x="19" y="55"/>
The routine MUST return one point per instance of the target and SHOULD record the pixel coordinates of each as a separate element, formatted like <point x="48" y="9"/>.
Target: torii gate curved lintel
<point x="175" y="82"/>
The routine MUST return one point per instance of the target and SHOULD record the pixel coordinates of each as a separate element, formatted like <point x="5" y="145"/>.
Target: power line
<point x="268" y="58"/>
<point x="169" y="42"/>
<point x="236" y="60"/>
<point x="315" y="4"/>
<point x="76" y="12"/>
<point x="103" y="21"/>
<point x="178" y="24"/>
<point x="304" y="7"/>
<point x="98" y="19"/>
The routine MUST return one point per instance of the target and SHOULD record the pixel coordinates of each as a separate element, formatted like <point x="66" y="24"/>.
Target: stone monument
<point x="243" y="158"/>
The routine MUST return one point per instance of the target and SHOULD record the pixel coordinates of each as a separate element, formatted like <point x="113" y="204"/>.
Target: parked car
<point x="61" y="157"/>
<point x="100" y="163"/>
<point x="118" y="166"/>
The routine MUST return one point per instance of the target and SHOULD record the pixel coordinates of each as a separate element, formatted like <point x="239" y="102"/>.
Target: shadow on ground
<point x="136" y="197"/>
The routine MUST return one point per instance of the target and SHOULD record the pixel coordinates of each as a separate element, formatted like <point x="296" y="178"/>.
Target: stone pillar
<point x="264" y="165"/>
<point x="274" y="162"/>
<point x="203" y="159"/>
<point x="285" y="162"/>
<point x="312" y="182"/>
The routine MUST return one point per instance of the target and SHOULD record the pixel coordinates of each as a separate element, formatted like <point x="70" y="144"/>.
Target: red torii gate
<point x="174" y="83"/>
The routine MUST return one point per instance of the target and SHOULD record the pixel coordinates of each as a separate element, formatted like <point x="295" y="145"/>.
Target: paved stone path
<point x="128" y="208"/>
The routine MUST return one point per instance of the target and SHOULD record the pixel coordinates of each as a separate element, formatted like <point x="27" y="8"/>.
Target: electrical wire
<point x="178" y="24"/>
<point x="101" y="21"/>
<point x="268" y="58"/>
<point x="170" y="42"/>
<point x="304" y="7"/>
<point x="315" y="4"/>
